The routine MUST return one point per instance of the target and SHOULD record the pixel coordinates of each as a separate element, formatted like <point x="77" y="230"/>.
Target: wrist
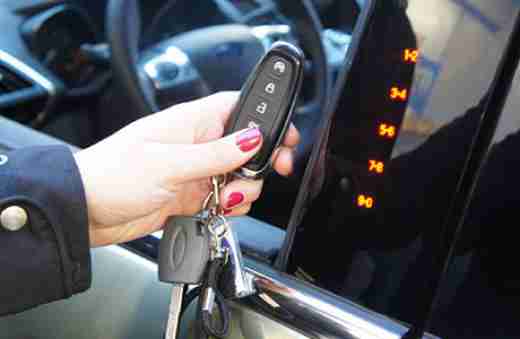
<point x="81" y="164"/>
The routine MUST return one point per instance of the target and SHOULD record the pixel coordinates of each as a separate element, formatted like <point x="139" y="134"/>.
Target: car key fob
<point x="267" y="101"/>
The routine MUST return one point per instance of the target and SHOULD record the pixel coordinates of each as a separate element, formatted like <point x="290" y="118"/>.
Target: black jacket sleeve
<point x="48" y="258"/>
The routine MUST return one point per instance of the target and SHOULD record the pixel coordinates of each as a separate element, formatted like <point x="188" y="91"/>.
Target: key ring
<point x="212" y="201"/>
<point x="218" y="226"/>
<point x="220" y="231"/>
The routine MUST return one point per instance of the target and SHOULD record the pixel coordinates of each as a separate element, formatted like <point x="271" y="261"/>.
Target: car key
<point x="267" y="101"/>
<point x="184" y="254"/>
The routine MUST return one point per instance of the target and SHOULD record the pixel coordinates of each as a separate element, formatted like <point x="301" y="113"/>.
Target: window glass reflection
<point x="373" y="232"/>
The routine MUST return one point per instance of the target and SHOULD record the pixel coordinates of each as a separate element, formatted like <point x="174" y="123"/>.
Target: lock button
<point x="270" y="88"/>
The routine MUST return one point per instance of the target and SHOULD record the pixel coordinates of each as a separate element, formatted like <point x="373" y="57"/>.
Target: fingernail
<point x="227" y="211"/>
<point x="249" y="139"/>
<point x="234" y="199"/>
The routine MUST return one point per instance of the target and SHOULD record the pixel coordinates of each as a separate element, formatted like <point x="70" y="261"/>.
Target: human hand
<point x="160" y="166"/>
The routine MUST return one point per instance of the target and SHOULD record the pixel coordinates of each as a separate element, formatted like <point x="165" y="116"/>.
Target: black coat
<point x="49" y="258"/>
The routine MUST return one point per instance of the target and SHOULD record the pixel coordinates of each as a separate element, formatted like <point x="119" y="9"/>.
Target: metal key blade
<point x="172" y="326"/>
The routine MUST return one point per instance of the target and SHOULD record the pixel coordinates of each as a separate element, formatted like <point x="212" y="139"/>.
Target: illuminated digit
<point x="411" y="55"/>
<point x="376" y="166"/>
<point x="398" y="94"/>
<point x="387" y="131"/>
<point x="365" y="201"/>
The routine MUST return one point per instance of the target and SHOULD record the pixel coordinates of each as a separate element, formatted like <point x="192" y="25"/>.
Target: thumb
<point x="222" y="155"/>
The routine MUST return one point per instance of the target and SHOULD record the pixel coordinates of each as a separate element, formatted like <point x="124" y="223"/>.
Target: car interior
<point x="353" y="243"/>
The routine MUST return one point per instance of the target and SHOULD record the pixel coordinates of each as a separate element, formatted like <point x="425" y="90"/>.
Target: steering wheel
<point x="197" y="63"/>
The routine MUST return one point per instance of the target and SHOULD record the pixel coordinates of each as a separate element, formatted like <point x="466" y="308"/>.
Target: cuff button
<point x="13" y="218"/>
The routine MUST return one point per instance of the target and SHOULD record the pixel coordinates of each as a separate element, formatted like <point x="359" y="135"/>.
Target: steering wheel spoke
<point x="173" y="75"/>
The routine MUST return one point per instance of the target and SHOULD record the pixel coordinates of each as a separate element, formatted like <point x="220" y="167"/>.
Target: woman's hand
<point x="160" y="166"/>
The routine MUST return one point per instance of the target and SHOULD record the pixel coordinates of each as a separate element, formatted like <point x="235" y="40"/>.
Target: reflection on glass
<point x="397" y="151"/>
<point x="480" y="297"/>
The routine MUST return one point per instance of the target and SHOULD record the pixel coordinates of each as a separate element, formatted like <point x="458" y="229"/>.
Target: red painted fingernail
<point x="249" y="139"/>
<point x="234" y="199"/>
<point x="227" y="212"/>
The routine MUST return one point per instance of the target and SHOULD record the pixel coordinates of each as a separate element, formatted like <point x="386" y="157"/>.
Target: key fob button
<point x="265" y="127"/>
<point x="270" y="88"/>
<point x="261" y="108"/>
<point x="251" y="121"/>
<point x="280" y="67"/>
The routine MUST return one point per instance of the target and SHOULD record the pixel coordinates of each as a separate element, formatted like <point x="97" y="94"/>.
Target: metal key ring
<point x="224" y="224"/>
<point x="212" y="201"/>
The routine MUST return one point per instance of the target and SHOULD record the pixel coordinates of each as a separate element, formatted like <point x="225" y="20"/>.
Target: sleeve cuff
<point x="48" y="177"/>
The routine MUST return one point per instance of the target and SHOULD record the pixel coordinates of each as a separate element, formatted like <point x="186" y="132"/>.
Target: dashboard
<point x="49" y="37"/>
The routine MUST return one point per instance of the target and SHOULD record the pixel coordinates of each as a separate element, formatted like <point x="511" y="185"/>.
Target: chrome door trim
<point x="316" y="312"/>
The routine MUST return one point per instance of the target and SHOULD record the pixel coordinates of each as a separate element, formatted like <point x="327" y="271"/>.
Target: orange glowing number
<point x="411" y="55"/>
<point x="365" y="201"/>
<point x="387" y="131"/>
<point x="376" y="166"/>
<point x="398" y="94"/>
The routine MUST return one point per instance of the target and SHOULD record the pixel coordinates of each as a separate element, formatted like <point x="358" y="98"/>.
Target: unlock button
<point x="261" y="108"/>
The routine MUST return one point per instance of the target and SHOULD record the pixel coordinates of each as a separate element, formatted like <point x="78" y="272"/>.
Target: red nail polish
<point x="249" y="139"/>
<point x="234" y="199"/>
<point x="227" y="212"/>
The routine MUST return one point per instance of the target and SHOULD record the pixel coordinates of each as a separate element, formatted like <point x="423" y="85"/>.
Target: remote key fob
<point x="267" y="101"/>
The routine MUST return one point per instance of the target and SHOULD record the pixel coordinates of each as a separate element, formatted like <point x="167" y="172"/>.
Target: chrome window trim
<point x="317" y="312"/>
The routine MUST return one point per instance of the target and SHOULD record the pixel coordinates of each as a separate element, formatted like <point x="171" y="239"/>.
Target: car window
<point x="480" y="295"/>
<point x="376" y="232"/>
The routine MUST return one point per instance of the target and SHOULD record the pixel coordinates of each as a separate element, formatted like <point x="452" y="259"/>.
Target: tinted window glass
<point x="397" y="151"/>
<point x="480" y="296"/>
